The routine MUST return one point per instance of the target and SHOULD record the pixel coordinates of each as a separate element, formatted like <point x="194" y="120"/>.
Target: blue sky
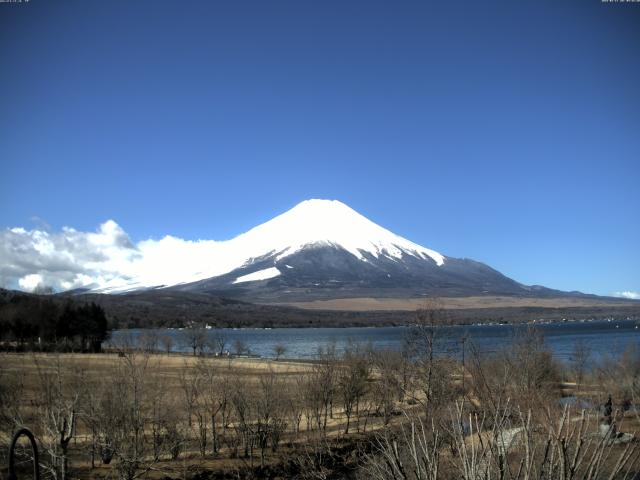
<point x="507" y="132"/>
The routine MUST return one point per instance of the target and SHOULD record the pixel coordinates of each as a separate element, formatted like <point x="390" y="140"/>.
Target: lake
<point x="603" y="338"/>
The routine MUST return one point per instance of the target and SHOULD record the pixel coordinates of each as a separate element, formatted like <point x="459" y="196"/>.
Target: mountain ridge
<point x="310" y="223"/>
<point x="323" y="249"/>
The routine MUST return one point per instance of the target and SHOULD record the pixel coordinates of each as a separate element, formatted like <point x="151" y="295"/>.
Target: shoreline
<point x="302" y="344"/>
<point x="542" y="321"/>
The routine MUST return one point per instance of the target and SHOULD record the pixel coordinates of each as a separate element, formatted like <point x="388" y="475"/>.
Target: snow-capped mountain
<point x="328" y="223"/>
<point x="324" y="249"/>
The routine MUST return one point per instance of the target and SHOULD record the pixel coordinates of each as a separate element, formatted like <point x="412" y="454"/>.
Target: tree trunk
<point x="214" y="434"/>
<point x="64" y="463"/>
<point x="348" y="414"/>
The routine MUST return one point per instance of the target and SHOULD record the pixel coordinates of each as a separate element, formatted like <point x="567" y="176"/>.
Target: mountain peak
<point x="310" y="224"/>
<point x="322" y="204"/>
<point x="320" y="210"/>
<point x="332" y="222"/>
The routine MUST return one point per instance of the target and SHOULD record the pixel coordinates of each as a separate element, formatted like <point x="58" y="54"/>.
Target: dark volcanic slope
<point x="323" y="272"/>
<point x="159" y="308"/>
<point x="177" y="309"/>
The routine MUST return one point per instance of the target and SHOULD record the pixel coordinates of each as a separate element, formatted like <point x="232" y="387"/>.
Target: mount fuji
<point x="323" y="249"/>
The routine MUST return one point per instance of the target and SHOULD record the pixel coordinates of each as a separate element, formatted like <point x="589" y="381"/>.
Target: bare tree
<point x="125" y="417"/>
<point x="431" y="375"/>
<point x="89" y="417"/>
<point x="619" y="376"/>
<point x="60" y="399"/>
<point x="215" y="391"/>
<point x="353" y="376"/>
<point x="297" y="403"/>
<point x="167" y="343"/>
<point x="579" y="361"/>
<point x="321" y="387"/>
<point x="241" y="399"/>
<point x="279" y="349"/>
<point x="158" y="407"/>
<point x="270" y="413"/>
<point x="501" y="445"/>
<point x="388" y="390"/>
<point x="240" y="347"/>
<point x="534" y="373"/>
<point x="149" y="341"/>
<point x="195" y="338"/>
<point x="189" y="385"/>
<point x="413" y="454"/>
<point x="217" y="341"/>
<point x="201" y="412"/>
<point x="316" y="457"/>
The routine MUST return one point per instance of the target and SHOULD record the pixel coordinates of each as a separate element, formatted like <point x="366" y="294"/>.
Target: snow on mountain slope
<point x="172" y="261"/>
<point x="265" y="274"/>
<point x="330" y="222"/>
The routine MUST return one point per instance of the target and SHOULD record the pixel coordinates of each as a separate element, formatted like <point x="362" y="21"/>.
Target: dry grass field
<point x="149" y="415"/>
<point x="411" y="304"/>
<point x="179" y="394"/>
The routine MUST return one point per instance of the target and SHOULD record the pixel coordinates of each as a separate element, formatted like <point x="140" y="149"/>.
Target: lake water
<point x="602" y="337"/>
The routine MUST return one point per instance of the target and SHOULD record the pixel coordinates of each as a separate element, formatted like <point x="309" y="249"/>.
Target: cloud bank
<point x="628" y="294"/>
<point x="106" y="259"/>
<point x="64" y="260"/>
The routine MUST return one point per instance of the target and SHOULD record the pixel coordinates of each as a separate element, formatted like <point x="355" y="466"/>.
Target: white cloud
<point x="66" y="259"/>
<point x="628" y="294"/>
<point x="106" y="259"/>
<point x="30" y="282"/>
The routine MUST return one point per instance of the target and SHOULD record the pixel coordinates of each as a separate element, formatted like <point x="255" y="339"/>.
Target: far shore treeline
<point x="35" y="322"/>
<point x="176" y="309"/>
